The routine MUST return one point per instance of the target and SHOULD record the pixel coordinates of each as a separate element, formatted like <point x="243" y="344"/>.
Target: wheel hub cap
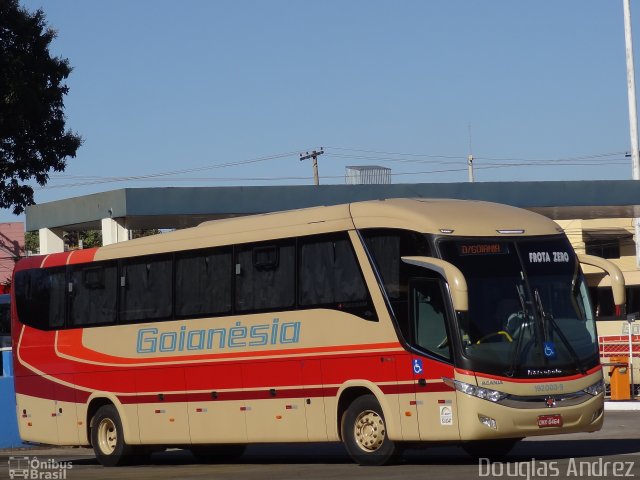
<point x="369" y="431"/>
<point x="107" y="436"/>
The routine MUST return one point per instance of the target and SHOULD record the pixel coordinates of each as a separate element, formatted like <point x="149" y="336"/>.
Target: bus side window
<point x="329" y="276"/>
<point x="203" y="283"/>
<point x="428" y="317"/>
<point x="265" y="276"/>
<point x="146" y="286"/>
<point x="56" y="287"/>
<point x="93" y="297"/>
<point x="41" y="297"/>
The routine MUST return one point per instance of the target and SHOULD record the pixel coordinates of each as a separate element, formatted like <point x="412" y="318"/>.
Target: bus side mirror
<point x="615" y="275"/>
<point x="452" y="275"/>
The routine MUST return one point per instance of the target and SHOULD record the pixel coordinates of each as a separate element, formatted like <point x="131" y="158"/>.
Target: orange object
<point x="620" y="389"/>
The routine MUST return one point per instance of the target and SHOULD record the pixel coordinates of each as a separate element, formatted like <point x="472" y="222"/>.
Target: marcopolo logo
<point x="38" y="469"/>
<point x="151" y="340"/>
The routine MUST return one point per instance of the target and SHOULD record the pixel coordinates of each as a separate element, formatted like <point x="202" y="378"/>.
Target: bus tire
<point x="107" y="438"/>
<point x="364" y="433"/>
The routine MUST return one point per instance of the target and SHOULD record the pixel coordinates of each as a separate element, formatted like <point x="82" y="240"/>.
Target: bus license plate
<point x="549" y="421"/>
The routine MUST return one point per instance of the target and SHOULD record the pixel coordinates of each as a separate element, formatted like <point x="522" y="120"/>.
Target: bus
<point x="380" y="324"/>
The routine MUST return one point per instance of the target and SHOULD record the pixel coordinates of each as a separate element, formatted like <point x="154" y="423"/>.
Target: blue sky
<point x="163" y="86"/>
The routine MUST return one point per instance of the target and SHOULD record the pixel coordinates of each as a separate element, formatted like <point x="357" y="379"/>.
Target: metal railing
<point x="628" y="345"/>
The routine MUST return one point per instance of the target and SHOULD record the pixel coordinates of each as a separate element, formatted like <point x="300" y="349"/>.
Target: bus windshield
<point x="529" y="312"/>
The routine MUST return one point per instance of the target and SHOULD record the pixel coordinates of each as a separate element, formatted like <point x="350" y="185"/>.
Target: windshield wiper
<point x="549" y="318"/>
<point x="515" y="353"/>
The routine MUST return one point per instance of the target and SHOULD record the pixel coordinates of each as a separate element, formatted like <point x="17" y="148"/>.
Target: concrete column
<point x="114" y="230"/>
<point x="51" y="241"/>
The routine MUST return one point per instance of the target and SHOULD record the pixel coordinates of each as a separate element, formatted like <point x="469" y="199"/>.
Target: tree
<point x="33" y="139"/>
<point x="32" y="241"/>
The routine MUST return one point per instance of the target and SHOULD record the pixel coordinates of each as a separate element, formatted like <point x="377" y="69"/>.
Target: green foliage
<point x="144" y="233"/>
<point x="31" y="241"/>
<point x="91" y="238"/>
<point x="33" y="140"/>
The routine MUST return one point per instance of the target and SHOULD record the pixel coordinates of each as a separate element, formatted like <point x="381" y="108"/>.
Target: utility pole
<point x="633" y="114"/>
<point x="470" y="157"/>
<point x="314" y="155"/>
<point x="470" y="165"/>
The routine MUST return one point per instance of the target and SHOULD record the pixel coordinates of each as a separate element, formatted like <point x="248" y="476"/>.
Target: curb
<point x="610" y="406"/>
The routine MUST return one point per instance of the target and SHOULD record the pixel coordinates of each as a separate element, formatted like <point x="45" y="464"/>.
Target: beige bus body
<point x="409" y="415"/>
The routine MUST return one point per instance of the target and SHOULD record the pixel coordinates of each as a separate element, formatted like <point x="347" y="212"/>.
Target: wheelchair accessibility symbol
<point x="417" y="366"/>
<point x="549" y="350"/>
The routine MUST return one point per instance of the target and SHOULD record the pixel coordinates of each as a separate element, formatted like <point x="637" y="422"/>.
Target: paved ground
<point x="615" y="449"/>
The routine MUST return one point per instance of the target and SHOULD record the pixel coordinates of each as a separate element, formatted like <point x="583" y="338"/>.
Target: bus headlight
<point x="595" y="389"/>
<point x="475" y="391"/>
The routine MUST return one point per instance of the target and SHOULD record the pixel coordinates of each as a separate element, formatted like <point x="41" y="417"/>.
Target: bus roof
<point x="462" y="217"/>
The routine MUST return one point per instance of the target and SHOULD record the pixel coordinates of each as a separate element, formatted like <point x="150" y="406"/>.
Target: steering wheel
<point x="493" y="334"/>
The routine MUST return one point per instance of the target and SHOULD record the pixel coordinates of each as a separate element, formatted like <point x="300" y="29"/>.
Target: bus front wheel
<point x="364" y="433"/>
<point x="107" y="437"/>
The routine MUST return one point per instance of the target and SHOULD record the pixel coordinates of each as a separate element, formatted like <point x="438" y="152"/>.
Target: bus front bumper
<point x="483" y="419"/>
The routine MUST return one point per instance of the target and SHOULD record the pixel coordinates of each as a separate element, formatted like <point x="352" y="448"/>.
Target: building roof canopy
<point x="177" y="207"/>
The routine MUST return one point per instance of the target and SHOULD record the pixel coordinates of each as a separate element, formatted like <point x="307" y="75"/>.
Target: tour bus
<point x="381" y="324"/>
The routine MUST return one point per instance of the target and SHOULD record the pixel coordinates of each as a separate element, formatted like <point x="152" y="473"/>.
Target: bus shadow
<point x="334" y="453"/>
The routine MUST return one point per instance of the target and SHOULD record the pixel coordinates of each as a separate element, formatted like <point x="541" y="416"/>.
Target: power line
<point x="360" y="154"/>
<point x="306" y="178"/>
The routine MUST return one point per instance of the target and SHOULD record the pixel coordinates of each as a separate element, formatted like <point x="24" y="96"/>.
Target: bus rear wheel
<point x="364" y="433"/>
<point x="107" y="438"/>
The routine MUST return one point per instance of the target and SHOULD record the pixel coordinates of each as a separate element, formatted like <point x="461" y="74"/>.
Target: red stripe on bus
<point x="82" y="256"/>
<point x="41" y="387"/>
<point x="56" y="260"/>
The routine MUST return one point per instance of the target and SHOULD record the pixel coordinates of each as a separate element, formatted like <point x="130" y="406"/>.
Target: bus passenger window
<point x="41" y="297"/>
<point x="329" y="276"/>
<point x="428" y="315"/>
<point x="203" y="283"/>
<point x="146" y="289"/>
<point x="93" y="295"/>
<point x="265" y="277"/>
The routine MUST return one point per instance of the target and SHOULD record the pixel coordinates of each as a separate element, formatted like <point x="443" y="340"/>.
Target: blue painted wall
<point x="9" y="436"/>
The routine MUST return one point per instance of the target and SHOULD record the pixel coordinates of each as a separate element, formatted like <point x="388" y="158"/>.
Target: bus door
<point x="435" y="401"/>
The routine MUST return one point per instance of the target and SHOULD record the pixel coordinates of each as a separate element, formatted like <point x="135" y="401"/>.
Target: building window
<point x="609" y="248"/>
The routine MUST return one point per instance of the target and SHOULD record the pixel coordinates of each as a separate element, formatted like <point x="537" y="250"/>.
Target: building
<point x="11" y="248"/>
